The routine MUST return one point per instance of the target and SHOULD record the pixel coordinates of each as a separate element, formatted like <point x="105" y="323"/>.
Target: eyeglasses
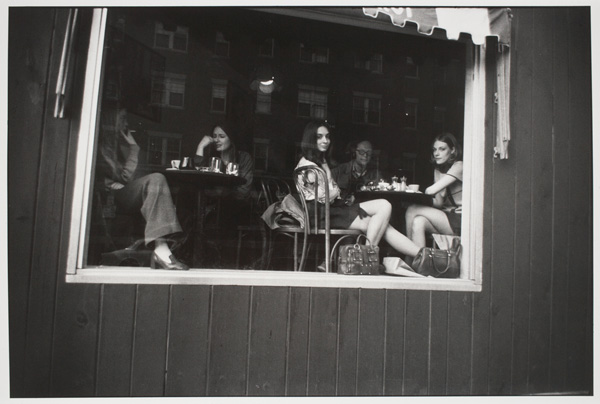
<point x="364" y="152"/>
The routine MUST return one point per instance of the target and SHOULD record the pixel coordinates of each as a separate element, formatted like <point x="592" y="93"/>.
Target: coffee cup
<point x="175" y="164"/>
<point x="414" y="187"/>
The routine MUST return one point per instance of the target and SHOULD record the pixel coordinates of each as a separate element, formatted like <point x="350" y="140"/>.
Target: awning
<point x="478" y="22"/>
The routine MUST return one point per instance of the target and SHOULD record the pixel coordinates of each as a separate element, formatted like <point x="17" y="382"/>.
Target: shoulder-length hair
<point x="309" y="142"/>
<point x="231" y="132"/>
<point x="451" y="141"/>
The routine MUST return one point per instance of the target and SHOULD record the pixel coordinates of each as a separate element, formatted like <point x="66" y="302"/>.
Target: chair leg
<point x="263" y="234"/>
<point x="296" y="252"/>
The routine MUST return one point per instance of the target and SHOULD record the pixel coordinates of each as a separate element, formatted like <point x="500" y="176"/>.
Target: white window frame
<point x="180" y="30"/>
<point x="472" y="220"/>
<point x="170" y="83"/>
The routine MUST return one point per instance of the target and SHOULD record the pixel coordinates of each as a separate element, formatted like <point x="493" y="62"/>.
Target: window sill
<point x="137" y="275"/>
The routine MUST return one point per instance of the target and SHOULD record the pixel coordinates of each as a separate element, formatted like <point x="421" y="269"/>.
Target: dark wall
<point x="528" y="331"/>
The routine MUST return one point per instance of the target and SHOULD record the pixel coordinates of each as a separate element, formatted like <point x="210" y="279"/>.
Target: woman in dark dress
<point x="370" y="217"/>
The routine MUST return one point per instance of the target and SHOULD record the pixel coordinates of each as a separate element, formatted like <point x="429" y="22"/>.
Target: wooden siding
<point x="529" y="331"/>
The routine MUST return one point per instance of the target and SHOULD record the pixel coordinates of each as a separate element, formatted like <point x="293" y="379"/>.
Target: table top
<point x="204" y="178"/>
<point x="396" y="196"/>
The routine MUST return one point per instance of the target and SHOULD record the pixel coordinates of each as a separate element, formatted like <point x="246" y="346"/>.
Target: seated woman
<point x="352" y="175"/>
<point x="370" y="217"/>
<point x="147" y="194"/>
<point x="221" y="143"/>
<point x="445" y="216"/>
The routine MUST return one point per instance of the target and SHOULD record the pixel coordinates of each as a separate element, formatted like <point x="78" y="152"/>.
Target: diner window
<point x="412" y="69"/>
<point x="267" y="48"/>
<point x="310" y="54"/>
<point x="168" y="90"/>
<point x="372" y="63"/>
<point x="173" y="37"/>
<point x="218" y="98"/>
<point x="366" y="108"/>
<point x="221" y="45"/>
<point x="101" y="233"/>
<point x="261" y="154"/>
<point x="312" y="101"/>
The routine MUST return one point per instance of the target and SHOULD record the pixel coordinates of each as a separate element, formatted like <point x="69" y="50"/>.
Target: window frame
<point x="367" y="99"/>
<point x="313" y="91"/>
<point x="159" y="29"/>
<point x="169" y="81"/>
<point x="214" y="83"/>
<point x="472" y="221"/>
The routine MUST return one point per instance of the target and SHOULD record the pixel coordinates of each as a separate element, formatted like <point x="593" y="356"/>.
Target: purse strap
<point x="433" y="262"/>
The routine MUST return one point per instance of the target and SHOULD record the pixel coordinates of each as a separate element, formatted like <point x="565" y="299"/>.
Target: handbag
<point x="358" y="259"/>
<point x="439" y="263"/>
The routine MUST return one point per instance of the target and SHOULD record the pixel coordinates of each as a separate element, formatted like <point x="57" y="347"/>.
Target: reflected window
<point x="266" y="49"/>
<point x="412" y="69"/>
<point x="366" y="108"/>
<point x="168" y="90"/>
<point x="372" y="63"/>
<point x="312" y="101"/>
<point x="263" y="102"/>
<point x="218" y="96"/>
<point x="173" y="37"/>
<point x="310" y="54"/>
<point x="411" y="107"/>
<point x="221" y="45"/>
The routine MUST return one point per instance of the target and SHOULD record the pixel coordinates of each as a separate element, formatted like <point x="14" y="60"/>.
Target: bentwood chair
<point x="312" y="229"/>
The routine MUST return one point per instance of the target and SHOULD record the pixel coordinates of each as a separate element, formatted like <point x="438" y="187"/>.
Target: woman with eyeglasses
<point x="445" y="215"/>
<point x="357" y="172"/>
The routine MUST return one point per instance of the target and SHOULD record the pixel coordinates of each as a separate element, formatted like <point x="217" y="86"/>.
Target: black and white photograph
<point x="299" y="200"/>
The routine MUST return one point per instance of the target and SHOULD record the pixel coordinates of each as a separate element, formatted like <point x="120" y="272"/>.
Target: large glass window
<point x="220" y="226"/>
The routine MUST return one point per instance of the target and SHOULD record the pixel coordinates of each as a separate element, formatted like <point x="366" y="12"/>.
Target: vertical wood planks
<point x="541" y="200"/>
<point x="371" y="343"/>
<point x="298" y="330"/>
<point x="438" y="344"/>
<point x="268" y="341"/>
<point x="115" y="338"/>
<point x="73" y="365"/>
<point x="580" y="229"/>
<point x="322" y="342"/>
<point x="561" y="179"/>
<point x="28" y="62"/>
<point x="347" y="350"/>
<point x="522" y="124"/>
<point x="229" y="324"/>
<point x="460" y="344"/>
<point x="417" y="343"/>
<point x="150" y="340"/>
<point x="395" y="342"/>
<point x="188" y="341"/>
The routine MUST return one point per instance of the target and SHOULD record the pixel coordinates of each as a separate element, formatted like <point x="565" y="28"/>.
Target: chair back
<point x="301" y="176"/>
<point x="274" y="189"/>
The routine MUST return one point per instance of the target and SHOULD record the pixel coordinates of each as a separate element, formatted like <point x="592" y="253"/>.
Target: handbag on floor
<point x="358" y="259"/>
<point x="439" y="263"/>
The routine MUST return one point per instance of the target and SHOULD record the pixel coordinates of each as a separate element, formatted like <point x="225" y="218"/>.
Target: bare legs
<point x="421" y="220"/>
<point x="376" y="226"/>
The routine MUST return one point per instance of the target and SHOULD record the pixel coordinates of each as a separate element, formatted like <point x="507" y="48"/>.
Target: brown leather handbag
<point x="358" y="259"/>
<point x="439" y="263"/>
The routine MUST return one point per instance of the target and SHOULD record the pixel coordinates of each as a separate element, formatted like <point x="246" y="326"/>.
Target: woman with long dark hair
<point x="445" y="215"/>
<point x="370" y="217"/>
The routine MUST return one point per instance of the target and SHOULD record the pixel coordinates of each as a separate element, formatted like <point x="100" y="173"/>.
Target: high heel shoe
<point x="158" y="263"/>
